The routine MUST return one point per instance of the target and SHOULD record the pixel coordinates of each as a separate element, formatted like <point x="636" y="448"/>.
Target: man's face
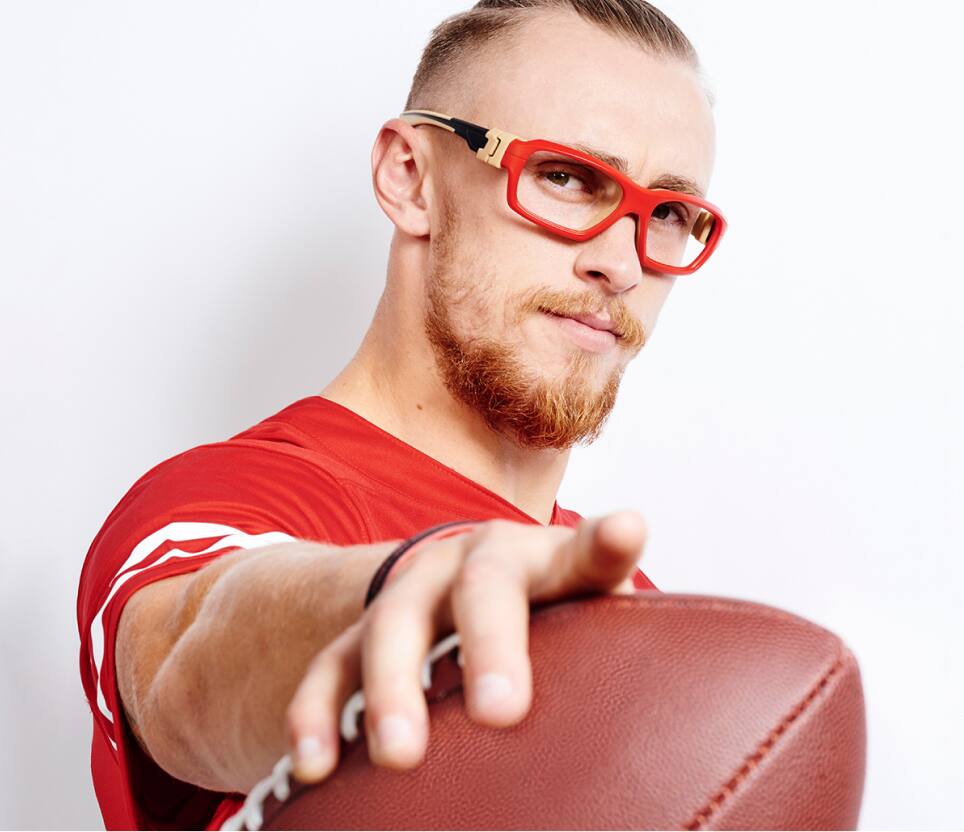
<point x="492" y="273"/>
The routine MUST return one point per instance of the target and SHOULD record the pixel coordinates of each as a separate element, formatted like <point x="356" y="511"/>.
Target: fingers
<point x="481" y="587"/>
<point x="398" y="633"/>
<point x="604" y="552"/>
<point x="490" y="605"/>
<point x="396" y="719"/>
<point x="383" y="652"/>
<point x="312" y="716"/>
<point x="509" y="566"/>
<point x="480" y="584"/>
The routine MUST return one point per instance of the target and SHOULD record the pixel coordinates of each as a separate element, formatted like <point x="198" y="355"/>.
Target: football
<point x="650" y="711"/>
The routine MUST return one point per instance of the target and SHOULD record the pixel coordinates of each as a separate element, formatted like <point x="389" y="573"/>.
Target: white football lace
<point x="250" y="816"/>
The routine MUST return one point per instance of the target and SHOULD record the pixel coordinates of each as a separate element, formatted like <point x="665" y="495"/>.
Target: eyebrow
<point x="667" y="181"/>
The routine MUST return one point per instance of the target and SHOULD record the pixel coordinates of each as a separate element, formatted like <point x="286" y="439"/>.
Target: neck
<point x="393" y="382"/>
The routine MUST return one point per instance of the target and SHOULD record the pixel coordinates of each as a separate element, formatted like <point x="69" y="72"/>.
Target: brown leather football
<point x="650" y="711"/>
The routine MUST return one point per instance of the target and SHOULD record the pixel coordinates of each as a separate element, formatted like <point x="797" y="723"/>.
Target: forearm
<point x="218" y="700"/>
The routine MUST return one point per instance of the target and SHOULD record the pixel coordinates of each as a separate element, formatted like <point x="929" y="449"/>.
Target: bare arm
<point x="208" y="662"/>
<point x="223" y="671"/>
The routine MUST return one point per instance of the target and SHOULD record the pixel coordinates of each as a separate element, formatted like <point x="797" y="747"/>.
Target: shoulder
<point x="244" y="492"/>
<point x="270" y="477"/>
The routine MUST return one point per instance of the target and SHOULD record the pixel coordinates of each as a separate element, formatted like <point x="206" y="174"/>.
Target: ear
<point x="399" y="163"/>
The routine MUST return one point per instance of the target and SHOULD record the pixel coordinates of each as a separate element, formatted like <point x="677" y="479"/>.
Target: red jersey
<point x="314" y="471"/>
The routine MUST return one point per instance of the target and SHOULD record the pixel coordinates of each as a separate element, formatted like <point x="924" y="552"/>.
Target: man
<point x="221" y="605"/>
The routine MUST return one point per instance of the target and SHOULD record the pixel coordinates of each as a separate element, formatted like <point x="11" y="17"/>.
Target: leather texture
<point x="650" y="711"/>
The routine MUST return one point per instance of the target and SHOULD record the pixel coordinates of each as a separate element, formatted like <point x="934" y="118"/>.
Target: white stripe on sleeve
<point x="140" y="555"/>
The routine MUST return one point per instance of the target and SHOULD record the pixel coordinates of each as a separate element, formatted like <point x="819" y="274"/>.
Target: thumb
<point x="607" y="548"/>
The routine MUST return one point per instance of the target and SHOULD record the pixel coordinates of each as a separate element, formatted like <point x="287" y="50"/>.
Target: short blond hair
<point x="444" y="59"/>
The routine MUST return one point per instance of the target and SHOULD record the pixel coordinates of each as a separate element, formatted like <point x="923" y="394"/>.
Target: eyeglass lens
<point x="576" y="196"/>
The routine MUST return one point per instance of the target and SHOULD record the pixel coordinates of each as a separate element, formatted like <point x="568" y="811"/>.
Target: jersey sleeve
<point x="181" y="515"/>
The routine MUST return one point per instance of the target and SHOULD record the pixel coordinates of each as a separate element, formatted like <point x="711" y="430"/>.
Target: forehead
<point x="561" y="78"/>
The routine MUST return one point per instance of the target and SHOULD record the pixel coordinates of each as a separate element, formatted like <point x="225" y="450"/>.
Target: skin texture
<point x="460" y="363"/>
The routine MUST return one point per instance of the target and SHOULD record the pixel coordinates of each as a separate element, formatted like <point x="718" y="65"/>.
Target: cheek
<point x="662" y="286"/>
<point x="475" y="295"/>
<point x="654" y="291"/>
<point x="498" y="281"/>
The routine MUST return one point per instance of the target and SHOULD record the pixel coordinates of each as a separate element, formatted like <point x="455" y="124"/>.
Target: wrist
<point x="404" y="552"/>
<point x="441" y="534"/>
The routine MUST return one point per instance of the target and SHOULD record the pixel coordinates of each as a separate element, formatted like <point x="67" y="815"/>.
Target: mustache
<point x="626" y="326"/>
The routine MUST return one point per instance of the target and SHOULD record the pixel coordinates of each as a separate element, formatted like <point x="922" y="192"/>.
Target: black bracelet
<point x="381" y="574"/>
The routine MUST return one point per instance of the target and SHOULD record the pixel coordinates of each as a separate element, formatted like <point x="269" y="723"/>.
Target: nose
<point x="611" y="255"/>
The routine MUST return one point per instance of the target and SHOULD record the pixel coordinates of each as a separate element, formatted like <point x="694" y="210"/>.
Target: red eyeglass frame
<point x="510" y="152"/>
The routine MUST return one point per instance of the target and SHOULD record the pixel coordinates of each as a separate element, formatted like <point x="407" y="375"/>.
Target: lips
<point x="595" y="321"/>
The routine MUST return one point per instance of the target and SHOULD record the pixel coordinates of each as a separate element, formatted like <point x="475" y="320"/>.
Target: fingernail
<point x="491" y="690"/>
<point x="310" y="757"/>
<point x="394" y="733"/>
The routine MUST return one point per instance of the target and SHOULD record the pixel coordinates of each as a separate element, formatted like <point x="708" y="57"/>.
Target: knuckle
<point x="483" y="567"/>
<point x="388" y="681"/>
<point x="495" y="529"/>
<point x="612" y="558"/>
<point x="387" y="651"/>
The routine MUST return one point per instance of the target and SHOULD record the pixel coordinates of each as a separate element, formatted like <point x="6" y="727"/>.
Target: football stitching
<point x="753" y="760"/>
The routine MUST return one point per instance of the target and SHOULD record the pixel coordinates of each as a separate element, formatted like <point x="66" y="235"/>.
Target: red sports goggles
<point x="682" y="231"/>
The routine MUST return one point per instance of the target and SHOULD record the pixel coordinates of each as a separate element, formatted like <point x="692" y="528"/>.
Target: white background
<point x="189" y="242"/>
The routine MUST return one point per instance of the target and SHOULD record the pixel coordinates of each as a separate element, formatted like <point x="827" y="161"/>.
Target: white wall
<point x="189" y="242"/>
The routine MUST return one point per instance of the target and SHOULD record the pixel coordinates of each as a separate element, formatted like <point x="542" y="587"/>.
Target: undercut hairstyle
<point x="452" y="43"/>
